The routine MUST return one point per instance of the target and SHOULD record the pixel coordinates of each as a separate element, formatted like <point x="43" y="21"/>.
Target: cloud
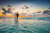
<point x="29" y="15"/>
<point x="13" y="8"/>
<point x="38" y="12"/>
<point x="9" y="6"/>
<point x="27" y="10"/>
<point x="46" y="12"/>
<point x="3" y="9"/>
<point x="25" y="7"/>
<point x="22" y="7"/>
<point x="7" y="11"/>
<point x="49" y="8"/>
<point x="23" y="14"/>
<point x="33" y="14"/>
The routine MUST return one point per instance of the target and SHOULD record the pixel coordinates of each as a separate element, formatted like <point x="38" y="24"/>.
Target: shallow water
<point x="24" y="25"/>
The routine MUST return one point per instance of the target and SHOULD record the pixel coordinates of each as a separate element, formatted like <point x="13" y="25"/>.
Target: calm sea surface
<point x="25" y="25"/>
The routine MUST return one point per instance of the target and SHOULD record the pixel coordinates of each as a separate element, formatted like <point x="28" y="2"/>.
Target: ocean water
<point x="25" y="25"/>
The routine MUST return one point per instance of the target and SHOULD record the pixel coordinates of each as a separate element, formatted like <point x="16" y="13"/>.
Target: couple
<point x="16" y="15"/>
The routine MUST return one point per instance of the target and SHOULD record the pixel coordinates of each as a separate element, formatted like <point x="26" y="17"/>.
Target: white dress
<point x="15" y="16"/>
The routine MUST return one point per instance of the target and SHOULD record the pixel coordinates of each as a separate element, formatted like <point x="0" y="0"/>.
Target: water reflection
<point x="16" y="23"/>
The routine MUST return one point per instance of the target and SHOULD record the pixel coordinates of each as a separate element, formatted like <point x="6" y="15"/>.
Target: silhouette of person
<point x="17" y="14"/>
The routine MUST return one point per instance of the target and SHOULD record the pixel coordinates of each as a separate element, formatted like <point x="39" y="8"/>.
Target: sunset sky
<point x="35" y="7"/>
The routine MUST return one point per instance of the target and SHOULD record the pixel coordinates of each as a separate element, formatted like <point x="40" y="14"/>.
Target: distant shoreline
<point x="21" y="17"/>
